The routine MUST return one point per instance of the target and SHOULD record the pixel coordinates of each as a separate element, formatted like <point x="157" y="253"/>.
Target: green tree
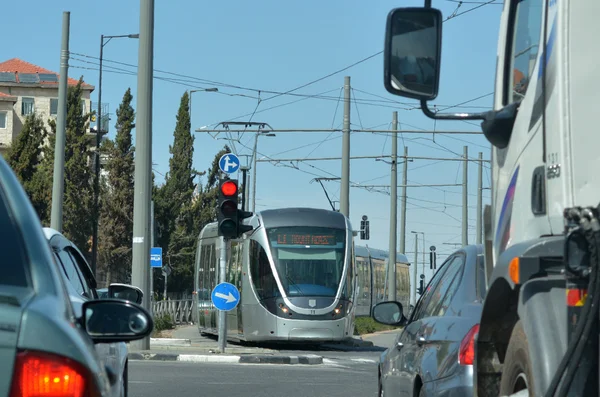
<point x="25" y="157"/>
<point x="25" y="153"/>
<point x="78" y="197"/>
<point x="40" y="187"/>
<point x="174" y="199"/>
<point x="116" y="213"/>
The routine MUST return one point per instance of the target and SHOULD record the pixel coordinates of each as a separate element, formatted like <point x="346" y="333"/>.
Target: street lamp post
<point x="423" y="264"/>
<point x="259" y="133"/>
<point x="97" y="153"/>
<point x="213" y="89"/>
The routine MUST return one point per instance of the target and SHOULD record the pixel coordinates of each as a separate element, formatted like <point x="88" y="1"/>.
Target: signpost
<point x="229" y="163"/>
<point x="155" y="259"/>
<point x="225" y="297"/>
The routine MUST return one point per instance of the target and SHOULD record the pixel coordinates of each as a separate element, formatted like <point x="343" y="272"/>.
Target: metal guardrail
<point x="180" y="311"/>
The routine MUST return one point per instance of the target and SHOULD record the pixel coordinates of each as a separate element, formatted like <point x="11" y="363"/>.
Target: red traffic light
<point x="229" y="188"/>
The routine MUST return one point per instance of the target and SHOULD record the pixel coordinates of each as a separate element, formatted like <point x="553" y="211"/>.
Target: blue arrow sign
<point x="156" y="257"/>
<point x="229" y="163"/>
<point x="225" y="297"/>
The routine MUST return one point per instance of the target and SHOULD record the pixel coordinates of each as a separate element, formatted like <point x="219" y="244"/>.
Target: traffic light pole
<point x="222" y="279"/>
<point x="415" y="271"/>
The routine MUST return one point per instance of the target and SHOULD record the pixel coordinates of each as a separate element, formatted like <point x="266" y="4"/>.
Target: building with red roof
<point x="26" y="88"/>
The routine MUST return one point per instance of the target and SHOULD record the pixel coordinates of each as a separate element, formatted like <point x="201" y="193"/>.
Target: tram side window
<point x="212" y="268"/>
<point x="261" y="273"/>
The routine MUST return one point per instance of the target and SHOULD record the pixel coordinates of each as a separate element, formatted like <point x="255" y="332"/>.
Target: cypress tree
<point x="116" y="214"/>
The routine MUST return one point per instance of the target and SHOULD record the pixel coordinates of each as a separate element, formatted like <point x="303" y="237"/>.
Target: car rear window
<point x="13" y="263"/>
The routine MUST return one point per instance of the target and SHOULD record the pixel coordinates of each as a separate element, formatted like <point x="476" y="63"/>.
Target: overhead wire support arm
<point x="338" y="130"/>
<point x="386" y="186"/>
<point x="410" y="158"/>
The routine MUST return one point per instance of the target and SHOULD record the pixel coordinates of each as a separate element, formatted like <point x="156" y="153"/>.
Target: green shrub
<point x="366" y="325"/>
<point x="163" y="322"/>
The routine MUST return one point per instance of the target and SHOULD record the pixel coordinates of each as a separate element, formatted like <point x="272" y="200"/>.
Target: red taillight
<point x="466" y="354"/>
<point x="38" y="374"/>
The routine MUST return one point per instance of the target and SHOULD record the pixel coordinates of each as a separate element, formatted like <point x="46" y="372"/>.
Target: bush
<point x="366" y="325"/>
<point x="163" y="322"/>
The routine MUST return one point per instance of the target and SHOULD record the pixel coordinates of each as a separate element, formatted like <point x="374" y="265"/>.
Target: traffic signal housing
<point x="229" y="217"/>
<point x="421" y="287"/>
<point x="227" y="212"/>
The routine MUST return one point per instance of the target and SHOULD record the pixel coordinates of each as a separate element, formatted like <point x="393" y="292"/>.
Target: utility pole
<point x="393" y="213"/>
<point x="415" y="273"/>
<point x="478" y="228"/>
<point x="143" y="160"/>
<point x="403" y="203"/>
<point x="58" y="183"/>
<point x="97" y="160"/>
<point x="465" y="203"/>
<point x="345" y="188"/>
<point x="151" y="245"/>
<point x="97" y="164"/>
<point x="222" y="337"/>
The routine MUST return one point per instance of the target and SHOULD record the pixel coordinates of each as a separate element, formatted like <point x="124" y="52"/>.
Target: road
<point x="164" y="378"/>
<point x="343" y="373"/>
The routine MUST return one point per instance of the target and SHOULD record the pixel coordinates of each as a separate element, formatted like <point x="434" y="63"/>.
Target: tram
<point x="372" y="279"/>
<point x="295" y="272"/>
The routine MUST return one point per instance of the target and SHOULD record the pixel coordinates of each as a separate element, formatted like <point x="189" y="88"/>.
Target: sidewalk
<point x="186" y="344"/>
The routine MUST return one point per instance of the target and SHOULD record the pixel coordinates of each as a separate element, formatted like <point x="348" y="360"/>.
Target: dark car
<point x="433" y="355"/>
<point x="45" y="348"/>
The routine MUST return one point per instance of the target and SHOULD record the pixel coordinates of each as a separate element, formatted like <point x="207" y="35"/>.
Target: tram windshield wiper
<point x="291" y="282"/>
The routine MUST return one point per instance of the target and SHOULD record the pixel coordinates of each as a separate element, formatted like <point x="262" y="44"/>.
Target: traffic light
<point x="229" y="217"/>
<point x="364" y="228"/>
<point x="227" y="214"/>
<point x="421" y="287"/>
<point x="432" y="258"/>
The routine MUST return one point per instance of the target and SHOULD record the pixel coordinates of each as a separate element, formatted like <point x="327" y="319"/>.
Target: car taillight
<point x="39" y="374"/>
<point x="466" y="353"/>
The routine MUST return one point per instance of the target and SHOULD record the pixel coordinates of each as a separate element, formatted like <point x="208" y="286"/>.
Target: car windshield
<point x="309" y="260"/>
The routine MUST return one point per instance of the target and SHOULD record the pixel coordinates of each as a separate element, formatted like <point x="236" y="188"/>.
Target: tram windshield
<point x="309" y="260"/>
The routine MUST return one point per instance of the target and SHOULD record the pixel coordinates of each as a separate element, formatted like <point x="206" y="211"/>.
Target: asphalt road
<point x="340" y="376"/>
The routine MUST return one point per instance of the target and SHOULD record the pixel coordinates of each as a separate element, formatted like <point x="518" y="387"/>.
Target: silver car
<point x="45" y="348"/>
<point x="433" y="355"/>
<point x="81" y="286"/>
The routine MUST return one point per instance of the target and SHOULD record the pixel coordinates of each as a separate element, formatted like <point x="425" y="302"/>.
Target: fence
<point x="179" y="310"/>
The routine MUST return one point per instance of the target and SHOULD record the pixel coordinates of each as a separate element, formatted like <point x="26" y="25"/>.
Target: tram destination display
<point x="305" y="239"/>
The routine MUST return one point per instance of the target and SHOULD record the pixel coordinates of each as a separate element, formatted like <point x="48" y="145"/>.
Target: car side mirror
<point x="111" y="320"/>
<point x="389" y="313"/>
<point x="126" y="292"/>
<point x="412" y="52"/>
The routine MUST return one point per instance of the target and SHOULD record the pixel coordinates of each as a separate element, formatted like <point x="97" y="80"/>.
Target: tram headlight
<point x="285" y="309"/>
<point x="337" y="310"/>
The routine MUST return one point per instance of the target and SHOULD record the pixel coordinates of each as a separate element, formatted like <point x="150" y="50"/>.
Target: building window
<point x="53" y="106"/>
<point x="27" y="106"/>
<point x="2" y="119"/>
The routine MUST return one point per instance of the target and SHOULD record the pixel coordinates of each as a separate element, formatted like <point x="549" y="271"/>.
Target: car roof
<point x="49" y="233"/>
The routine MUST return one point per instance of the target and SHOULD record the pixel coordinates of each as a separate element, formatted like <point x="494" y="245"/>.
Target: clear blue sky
<point x="277" y="46"/>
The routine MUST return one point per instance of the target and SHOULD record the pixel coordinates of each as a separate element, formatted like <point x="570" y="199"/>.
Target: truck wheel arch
<point x="498" y="317"/>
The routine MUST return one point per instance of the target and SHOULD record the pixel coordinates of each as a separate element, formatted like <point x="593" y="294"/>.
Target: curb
<point x="232" y="359"/>
<point x="170" y="342"/>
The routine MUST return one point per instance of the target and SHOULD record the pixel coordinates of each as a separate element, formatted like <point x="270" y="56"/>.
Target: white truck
<point x="539" y="332"/>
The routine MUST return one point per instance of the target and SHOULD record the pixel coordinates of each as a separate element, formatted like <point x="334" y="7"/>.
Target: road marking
<point x="363" y="360"/>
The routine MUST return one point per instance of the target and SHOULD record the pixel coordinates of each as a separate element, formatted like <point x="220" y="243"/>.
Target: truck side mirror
<point x="412" y="52"/>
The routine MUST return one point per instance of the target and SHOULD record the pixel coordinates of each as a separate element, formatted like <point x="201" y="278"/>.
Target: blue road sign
<point x="225" y="297"/>
<point x="156" y="257"/>
<point x="229" y="163"/>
